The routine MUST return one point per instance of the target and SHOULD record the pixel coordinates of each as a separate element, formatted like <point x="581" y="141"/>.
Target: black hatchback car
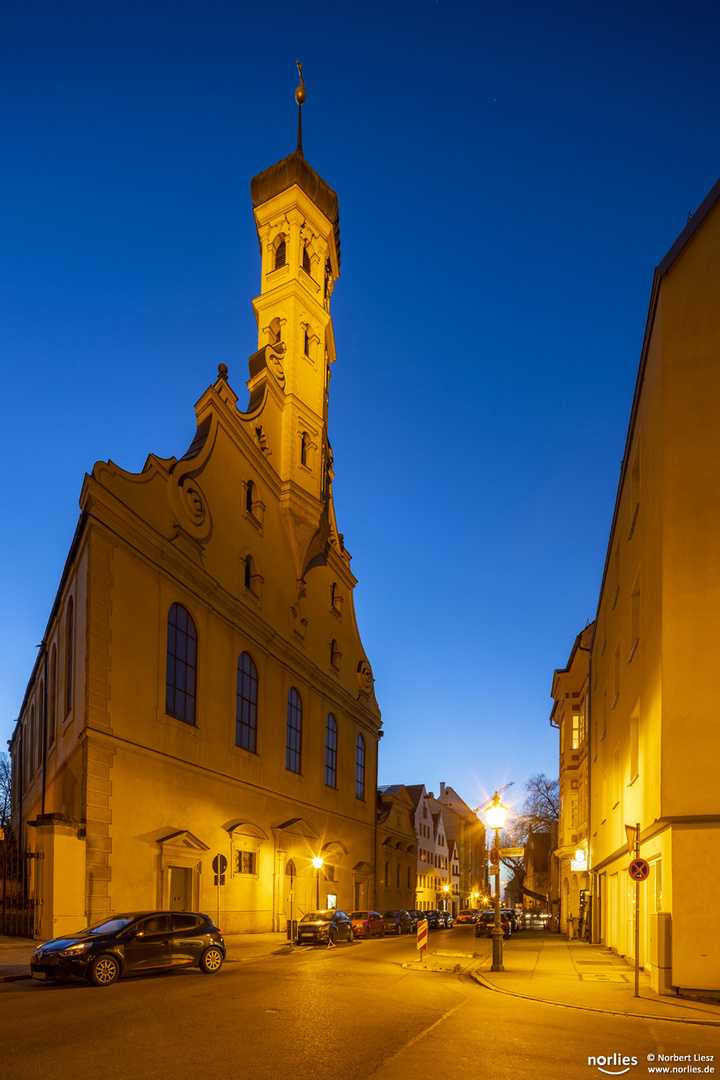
<point x="131" y="943"/>
<point x="323" y="927"/>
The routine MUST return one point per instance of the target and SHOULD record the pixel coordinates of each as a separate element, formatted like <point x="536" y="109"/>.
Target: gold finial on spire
<point x="300" y="92"/>
<point x="300" y="97"/>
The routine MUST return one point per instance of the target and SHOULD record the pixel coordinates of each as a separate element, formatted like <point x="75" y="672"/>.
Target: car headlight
<point x="74" y="950"/>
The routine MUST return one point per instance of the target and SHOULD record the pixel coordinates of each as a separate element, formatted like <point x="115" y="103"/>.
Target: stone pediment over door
<point x="295" y="827"/>
<point x="182" y="841"/>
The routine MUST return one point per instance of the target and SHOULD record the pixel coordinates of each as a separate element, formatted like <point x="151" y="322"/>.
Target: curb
<point x="590" y="1008"/>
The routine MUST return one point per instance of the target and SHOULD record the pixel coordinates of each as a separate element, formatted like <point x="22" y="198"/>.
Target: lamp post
<point x="496" y="814"/>
<point x="317" y="863"/>
<point x="446" y="890"/>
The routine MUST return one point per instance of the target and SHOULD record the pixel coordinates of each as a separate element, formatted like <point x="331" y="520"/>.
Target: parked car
<point x="132" y="943"/>
<point x="321" y="927"/>
<point x="415" y="917"/>
<point x="397" y="922"/>
<point x="433" y="918"/>
<point x="484" y="925"/>
<point x="367" y="923"/>
<point x="467" y="915"/>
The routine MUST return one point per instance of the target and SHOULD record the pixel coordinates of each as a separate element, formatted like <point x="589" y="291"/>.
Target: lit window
<point x="245" y="862"/>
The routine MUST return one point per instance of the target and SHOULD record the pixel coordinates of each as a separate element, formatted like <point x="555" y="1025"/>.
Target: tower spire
<point x="300" y="98"/>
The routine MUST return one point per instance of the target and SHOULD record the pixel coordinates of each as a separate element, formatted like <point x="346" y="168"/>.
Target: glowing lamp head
<point x="317" y="862"/>
<point x="496" y="813"/>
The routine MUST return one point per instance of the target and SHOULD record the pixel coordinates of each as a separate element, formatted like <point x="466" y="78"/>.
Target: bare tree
<point x="538" y="814"/>
<point x="5" y="790"/>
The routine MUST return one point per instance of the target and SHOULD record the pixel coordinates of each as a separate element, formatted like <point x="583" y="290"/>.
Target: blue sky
<point x="509" y="174"/>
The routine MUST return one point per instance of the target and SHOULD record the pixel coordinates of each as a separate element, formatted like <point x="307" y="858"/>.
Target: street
<point x="352" y="1013"/>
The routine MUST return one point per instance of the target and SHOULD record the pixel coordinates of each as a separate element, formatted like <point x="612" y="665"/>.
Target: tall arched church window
<point x="249" y="496"/>
<point x="181" y="670"/>
<point x="360" y="768"/>
<point x="52" y="718"/>
<point x="249" y="573"/>
<point x="69" y="655"/>
<point x="304" y="448"/>
<point x="331" y="742"/>
<point x="280" y="254"/>
<point x="246" y="704"/>
<point x="306" y="259"/>
<point x="293" y="745"/>
<point x="41" y="725"/>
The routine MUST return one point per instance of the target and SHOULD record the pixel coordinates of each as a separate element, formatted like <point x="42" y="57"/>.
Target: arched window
<point x="387" y="874"/>
<point x="41" y="726"/>
<point x="52" y="718"/>
<point x="304" y="448"/>
<point x="246" y="706"/>
<point x="293" y="746"/>
<point x="280" y="252"/>
<point x="335" y="655"/>
<point x="306" y="259"/>
<point x="306" y="341"/>
<point x="331" y="741"/>
<point x="249" y="573"/>
<point x="249" y="496"/>
<point x="360" y="768"/>
<point x="31" y="747"/>
<point x="70" y="655"/>
<point x="180" y="689"/>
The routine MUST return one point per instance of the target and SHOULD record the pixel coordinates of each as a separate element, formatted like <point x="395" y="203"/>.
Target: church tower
<point x="296" y="215"/>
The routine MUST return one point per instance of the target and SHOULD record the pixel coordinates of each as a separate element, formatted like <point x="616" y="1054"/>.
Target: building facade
<point x="569" y="715"/>
<point x="397" y="850"/>
<point x="654" y="734"/>
<point x="201" y="721"/>
<point x="466" y="831"/>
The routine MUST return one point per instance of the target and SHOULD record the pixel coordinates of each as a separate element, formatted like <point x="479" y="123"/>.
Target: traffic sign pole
<point x="637" y="915"/>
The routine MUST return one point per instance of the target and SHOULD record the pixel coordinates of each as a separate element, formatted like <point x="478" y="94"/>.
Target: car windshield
<point x="110" y="926"/>
<point x="317" y="916"/>
<point x="360" y="915"/>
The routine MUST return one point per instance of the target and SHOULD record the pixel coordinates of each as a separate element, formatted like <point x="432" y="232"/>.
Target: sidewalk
<point x="540" y="965"/>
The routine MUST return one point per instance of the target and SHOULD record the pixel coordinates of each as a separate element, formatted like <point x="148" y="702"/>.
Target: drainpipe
<point x="375" y="817"/>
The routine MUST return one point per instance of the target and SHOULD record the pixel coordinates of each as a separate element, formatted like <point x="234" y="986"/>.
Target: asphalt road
<point x="350" y="1013"/>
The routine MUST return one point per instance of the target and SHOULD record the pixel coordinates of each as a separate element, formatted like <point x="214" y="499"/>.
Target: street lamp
<point x="446" y="890"/>
<point x="496" y="814"/>
<point x="317" y="863"/>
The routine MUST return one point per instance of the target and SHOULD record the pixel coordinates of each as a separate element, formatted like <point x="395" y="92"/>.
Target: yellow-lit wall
<point x="658" y="628"/>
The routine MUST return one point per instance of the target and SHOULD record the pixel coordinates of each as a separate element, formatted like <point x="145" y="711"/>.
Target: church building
<point x="200" y="730"/>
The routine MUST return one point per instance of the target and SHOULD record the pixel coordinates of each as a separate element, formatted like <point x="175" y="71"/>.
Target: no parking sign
<point x="639" y="869"/>
<point x="422" y="933"/>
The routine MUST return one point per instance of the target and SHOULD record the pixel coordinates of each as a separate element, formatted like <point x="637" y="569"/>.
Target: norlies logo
<point x="615" y="1060"/>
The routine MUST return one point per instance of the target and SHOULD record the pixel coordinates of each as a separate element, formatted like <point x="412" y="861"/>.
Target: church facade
<point x="201" y="723"/>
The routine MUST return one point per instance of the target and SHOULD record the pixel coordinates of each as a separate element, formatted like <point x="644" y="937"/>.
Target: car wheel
<point x="211" y="960"/>
<point x="382" y="932"/>
<point x="398" y="929"/>
<point x="104" y="970"/>
<point x="351" y="934"/>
